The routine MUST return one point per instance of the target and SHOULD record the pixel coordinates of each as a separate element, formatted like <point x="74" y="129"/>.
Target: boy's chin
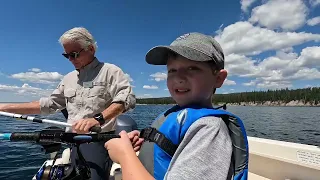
<point x="184" y="103"/>
<point x="181" y="103"/>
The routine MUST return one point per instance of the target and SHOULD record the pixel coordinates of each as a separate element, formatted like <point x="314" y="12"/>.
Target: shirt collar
<point x="94" y="63"/>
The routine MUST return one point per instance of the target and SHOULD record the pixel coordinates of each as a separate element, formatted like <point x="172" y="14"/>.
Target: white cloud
<point x="310" y="57"/>
<point x="314" y="21"/>
<point x="128" y="76"/>
<point x="251" y="83"/>
<point x="277" y="71"/>
<point x="284" y="14"/>
<point x="244" y="38"/>
<point x="286" y="54"/>
<point x="288" y="49"/>
<point x="305" y="73"/>
<point x="274" y="63"/>
<point x="40" y="77"/>
<point x="220" y="29"/>
<point x="150" y="87"/>
<point x="159" y="76"/>
<point x="245" y="4"/>
<point x="25" y="90"/>
<point x="274" y="85"/>
<point x="239" y="65"/>
<point x="302" y="67"/>
<point x="35" y="70"/>
<point x="314" y="3"/>
<point x="145" y="96"/>
<point x="229" y="82"/>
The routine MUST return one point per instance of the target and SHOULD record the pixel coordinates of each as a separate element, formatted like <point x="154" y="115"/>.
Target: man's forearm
<point x="112" y="111"/>
<point x="22" y="108"/>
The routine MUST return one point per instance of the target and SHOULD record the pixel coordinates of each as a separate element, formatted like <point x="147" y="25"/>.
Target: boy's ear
<point x="221" y="76"/>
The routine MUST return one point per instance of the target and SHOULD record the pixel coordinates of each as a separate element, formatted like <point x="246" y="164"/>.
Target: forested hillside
<point x="306" y="96"/>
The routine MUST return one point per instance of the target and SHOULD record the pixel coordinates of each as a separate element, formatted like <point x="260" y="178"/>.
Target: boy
<point x="192" y="140"/>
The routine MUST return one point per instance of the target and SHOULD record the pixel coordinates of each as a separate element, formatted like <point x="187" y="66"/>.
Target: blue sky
<point x="268" y="44"/>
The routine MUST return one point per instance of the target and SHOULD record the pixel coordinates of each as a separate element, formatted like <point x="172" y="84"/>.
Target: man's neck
<point x="86" y="64"/>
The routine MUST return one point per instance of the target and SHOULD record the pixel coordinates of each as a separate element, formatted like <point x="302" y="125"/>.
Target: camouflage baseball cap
<point x="193" y="46"/>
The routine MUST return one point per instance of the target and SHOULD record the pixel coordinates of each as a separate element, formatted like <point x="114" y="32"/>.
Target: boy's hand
<point x="120" y="148"/>
<point x="135" y="140"/>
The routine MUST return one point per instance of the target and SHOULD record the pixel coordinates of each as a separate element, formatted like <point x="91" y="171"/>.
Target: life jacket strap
<point x="153" y="135"/>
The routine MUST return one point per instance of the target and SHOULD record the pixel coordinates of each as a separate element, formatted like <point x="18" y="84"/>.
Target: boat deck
<point x="271" y="159"/>
<point x="116" y="176"/>
<point x="256" y="177"/>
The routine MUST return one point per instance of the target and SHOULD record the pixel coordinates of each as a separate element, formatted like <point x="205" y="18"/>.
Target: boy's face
<point x="192" y="82"/>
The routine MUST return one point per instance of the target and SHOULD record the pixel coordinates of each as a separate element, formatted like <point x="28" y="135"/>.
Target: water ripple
<point x="20" y="160"/>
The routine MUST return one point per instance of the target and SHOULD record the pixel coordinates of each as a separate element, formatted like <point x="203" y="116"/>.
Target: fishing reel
<point x="51" y="140"/>
<point x="74" y="169"/>
<point x="69" y="168"/>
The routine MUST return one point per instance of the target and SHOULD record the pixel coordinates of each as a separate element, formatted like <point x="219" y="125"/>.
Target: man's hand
<point x="135" y="140"/>
<point x="82" y="126"/>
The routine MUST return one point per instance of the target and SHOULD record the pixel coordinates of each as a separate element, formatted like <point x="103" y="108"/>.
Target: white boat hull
<point x="272" y="159"/>
<point x="276" y="160"/>
<point x="268" y="159"/>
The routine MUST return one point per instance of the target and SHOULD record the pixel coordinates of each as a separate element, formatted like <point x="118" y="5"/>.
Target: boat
<point x="273" y="160"/>
<point x="268" y="159"/>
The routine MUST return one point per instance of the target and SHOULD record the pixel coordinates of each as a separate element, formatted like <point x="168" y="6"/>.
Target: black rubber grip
<point x="25" y="136"/>
<point x="96" y="129"/>
<point x="106" y="137"/>
<point x="38" y="120"/>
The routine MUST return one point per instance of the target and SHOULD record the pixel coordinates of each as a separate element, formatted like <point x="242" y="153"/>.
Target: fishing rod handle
<point x="96" y="129"/>
<point x="87" y="138"/>
<point x="106" y="137"/>
<point x="25" y="136"/>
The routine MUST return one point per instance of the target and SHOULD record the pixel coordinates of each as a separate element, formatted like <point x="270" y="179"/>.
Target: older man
<point x="93" y="94"/>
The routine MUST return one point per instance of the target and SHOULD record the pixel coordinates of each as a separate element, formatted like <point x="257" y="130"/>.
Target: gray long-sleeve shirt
<point x="90" y="91"/>
<point x="204" y="153"/>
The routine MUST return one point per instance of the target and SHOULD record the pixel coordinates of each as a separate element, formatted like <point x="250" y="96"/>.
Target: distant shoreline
<point x="266" y="103"/>
<point x="276" y="103"/>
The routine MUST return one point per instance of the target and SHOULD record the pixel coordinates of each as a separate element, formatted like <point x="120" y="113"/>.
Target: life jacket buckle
<point x="147" y="133"/>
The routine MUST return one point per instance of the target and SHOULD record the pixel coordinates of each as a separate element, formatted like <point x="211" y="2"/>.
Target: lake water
<point x="20" y="160"/>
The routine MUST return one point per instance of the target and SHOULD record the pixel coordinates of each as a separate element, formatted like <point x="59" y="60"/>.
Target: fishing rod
<point x="57" y="135"/>
<point x="40" y="120"/>
<point x="51" y="140"/>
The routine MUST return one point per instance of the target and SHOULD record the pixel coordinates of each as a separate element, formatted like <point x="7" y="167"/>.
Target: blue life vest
<point x="169" y="129"/>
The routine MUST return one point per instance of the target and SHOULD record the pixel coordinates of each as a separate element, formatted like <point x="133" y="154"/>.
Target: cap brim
<point x="159" y="55"/>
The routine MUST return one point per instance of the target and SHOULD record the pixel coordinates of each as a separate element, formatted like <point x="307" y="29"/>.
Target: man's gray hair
<point x="80" y="35"/>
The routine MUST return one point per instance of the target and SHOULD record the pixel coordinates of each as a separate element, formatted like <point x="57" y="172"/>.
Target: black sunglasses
<point x="72" y="54"/>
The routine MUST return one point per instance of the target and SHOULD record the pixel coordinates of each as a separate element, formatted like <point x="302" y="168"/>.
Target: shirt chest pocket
<point x="71" y="101"/>
<point x="70" y="95"/>
<point x="98" y="97"/>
